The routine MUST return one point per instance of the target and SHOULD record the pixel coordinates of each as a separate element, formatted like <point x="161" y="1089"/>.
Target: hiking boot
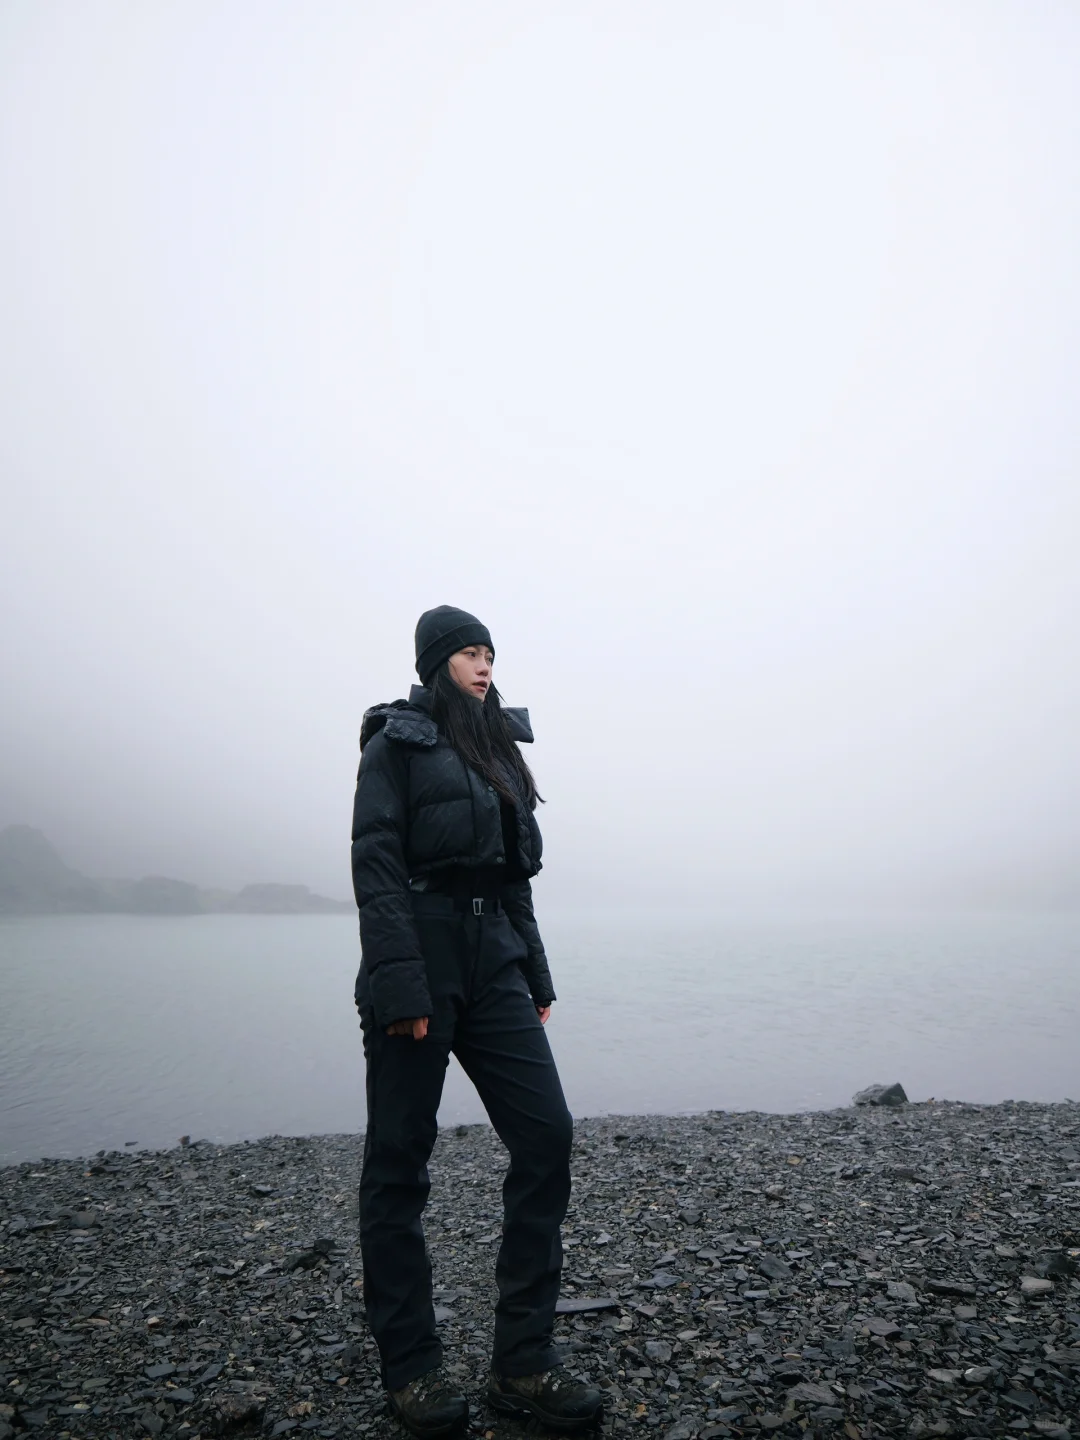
<point x="430" y="1405"/>
<point x="550" y="1397"/>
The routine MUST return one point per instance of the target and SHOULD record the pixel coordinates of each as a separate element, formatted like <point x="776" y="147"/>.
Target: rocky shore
<point x="866" y="1272"/>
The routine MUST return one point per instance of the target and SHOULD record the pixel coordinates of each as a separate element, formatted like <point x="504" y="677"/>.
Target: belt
<point x="436" y="903"/>
<point x="469" y="895"/>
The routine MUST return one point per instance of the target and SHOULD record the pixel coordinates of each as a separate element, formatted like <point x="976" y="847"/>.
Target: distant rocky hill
<point x="34" y="880"/>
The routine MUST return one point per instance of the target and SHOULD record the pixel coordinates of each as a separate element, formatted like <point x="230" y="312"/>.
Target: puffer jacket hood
<point x="410" y="721"/>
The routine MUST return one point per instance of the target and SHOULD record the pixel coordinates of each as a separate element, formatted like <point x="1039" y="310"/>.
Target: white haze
<point x="723" y="357"/>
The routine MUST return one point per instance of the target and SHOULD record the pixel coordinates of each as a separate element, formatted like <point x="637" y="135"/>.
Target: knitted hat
<point x="442" y="632"/>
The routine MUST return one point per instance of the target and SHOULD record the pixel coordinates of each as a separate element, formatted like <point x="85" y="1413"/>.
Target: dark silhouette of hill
<point x="34" y="880"/>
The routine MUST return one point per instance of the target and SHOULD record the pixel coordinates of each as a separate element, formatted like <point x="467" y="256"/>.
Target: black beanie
<point x="442" y="632"/>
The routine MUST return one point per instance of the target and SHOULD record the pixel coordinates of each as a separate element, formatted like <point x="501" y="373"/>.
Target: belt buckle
<point x="478" y="906"/>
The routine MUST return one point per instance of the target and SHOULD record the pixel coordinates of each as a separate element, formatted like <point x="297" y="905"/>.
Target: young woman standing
<point x="444" y="844"/>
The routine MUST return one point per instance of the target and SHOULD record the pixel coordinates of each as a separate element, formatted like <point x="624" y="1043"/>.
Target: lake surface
<point x="227" y="1027"/>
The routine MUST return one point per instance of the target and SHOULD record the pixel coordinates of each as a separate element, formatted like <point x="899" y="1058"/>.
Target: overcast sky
<point x="723" y="357"/>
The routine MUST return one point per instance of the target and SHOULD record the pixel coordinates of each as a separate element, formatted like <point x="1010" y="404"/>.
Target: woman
<point x="444" y="844"/>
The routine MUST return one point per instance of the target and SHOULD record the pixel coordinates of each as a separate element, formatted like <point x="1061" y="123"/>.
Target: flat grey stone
<point x="1031" y="1287"/>
<point x="1023" y="1400"/>
<point x="681" y="1430"/>
<point x="807" y="1392"/>
<point x="583" y="1304"/>
<point x="662" y="1280"/>
<point x="951" y="1287"/>
<point x="774" y="1267"/>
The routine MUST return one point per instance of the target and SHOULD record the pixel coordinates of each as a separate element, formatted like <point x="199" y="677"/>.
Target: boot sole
<point x="519" y="1405"/>
<point x="429" y="1432"/>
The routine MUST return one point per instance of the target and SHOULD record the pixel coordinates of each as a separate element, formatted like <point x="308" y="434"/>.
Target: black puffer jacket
<point x="419" y="809"/>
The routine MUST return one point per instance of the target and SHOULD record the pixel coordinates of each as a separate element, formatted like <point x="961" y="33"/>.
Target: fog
<point x="724" y="358"/>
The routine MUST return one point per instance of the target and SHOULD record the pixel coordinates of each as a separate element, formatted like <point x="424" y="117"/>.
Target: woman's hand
<point x="543" y="1011"/>
<point x="416" y="1028"/>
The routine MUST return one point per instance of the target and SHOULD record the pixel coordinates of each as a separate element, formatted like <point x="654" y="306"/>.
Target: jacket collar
<point x="517" y="717"/>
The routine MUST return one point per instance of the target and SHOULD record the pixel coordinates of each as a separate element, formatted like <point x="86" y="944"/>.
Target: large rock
<point x="881" y="1095"/>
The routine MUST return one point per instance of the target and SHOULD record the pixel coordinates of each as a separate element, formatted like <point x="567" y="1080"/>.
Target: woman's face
<point x="471" y="669"/>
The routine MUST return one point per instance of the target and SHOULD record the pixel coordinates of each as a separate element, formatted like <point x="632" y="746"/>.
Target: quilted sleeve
<point x="391" y="947"/>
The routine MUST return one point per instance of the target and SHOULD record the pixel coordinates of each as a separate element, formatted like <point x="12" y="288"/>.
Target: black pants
<point x="484" y="1014"/>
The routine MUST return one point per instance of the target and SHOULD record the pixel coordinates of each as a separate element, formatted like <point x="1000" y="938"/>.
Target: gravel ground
<point x="863" y="1272"/>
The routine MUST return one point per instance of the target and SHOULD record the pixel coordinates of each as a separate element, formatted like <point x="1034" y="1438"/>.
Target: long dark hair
<point x="478" y="731"/>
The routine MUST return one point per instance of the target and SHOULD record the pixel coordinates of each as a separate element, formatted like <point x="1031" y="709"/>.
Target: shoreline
<point x="142" y="1149"/>
<point x="892" y="1271"/>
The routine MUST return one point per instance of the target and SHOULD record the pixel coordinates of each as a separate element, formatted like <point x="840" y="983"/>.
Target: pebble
<point x="218" y="1289"/>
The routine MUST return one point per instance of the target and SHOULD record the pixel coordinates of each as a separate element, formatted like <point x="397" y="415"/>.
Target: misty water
<point x="118" y="1029"/>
